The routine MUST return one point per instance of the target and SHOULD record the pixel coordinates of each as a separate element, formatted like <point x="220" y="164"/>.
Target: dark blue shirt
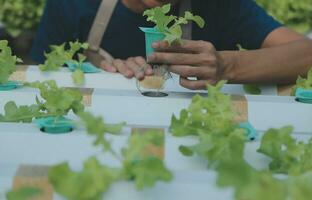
<point x="228" y="23"/>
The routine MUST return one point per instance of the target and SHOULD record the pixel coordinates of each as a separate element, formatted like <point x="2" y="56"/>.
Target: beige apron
<point x="95" y="53"/>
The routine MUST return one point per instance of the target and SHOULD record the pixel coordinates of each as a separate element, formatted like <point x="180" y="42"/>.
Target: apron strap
<point x="95" y="54"/>
<point x="100" y="23"/>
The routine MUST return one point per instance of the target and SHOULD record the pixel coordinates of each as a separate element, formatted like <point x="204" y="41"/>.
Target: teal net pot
<point x="55" y="125"/>
<point x="152" y="86"/>
<point x="304" y="95"/>
<point x="151" y="36"/>
<point x="10" y="85"/>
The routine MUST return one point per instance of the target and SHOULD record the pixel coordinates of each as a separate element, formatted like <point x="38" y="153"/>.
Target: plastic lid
<point x="10" y="85"/>
<point x="86" y="67"/>
<point x="252" y="133"/>
<point x="304" y="96"/>
<point x="55" y="125"/>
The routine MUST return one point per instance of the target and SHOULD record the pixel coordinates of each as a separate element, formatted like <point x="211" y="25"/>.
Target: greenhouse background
<point x="19" y="20"/>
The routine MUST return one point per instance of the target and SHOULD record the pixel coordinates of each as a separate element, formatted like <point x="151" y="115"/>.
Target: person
<point x="274" y="53"/>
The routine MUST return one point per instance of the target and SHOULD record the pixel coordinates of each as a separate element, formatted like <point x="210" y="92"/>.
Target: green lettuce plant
<point x="171" y="25"/>
<point x="60" y="55"/>
<point x="20" y="15"/>
<point x="78" y="75"/>
<point x="96" y="178"/>
<point x="135" y="164"/>
<point x="23" y="193"/>
<point x="56" y="102"/>
<point x="304" y="83"/>
<point x="296" y="14"/>
<point x="222" y="144"/>
<point x="211" y="120"/>
<point x="288" y="155"/>
<point x="7" y="62"/>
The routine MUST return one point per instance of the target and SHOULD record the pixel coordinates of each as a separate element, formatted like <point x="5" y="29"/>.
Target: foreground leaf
<point x="300" y="187"/>
<point x="97" y="127"/>
<point x="7" y="62"/>
<point x="58" y="101"/>
<point x="25" y="193"/>
<point x="210" y="115"/>
<point x="305" y="83"/>
<point x="252" y="89"/>
<point x="211" y="120"/>
<point x="78" y="77"/>
<point x="59" y="55"/>
<point x="169" y="25"/>
<point x="288" y="155"/>
<point x="249" y="183"/>
<point x="146" y="169"/>
<point x="89" y="184"/>
<point x="25" y="114"/>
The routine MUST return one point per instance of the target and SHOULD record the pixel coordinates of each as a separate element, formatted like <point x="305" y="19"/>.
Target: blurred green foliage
<point x="296" y="14"/>
<point x="20" y="15"/>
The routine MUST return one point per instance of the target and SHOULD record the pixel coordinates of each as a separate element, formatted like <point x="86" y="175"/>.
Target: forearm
<point x="279" y="65"/>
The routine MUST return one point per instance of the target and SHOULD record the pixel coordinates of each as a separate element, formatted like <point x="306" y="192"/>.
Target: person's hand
<point x="190" y="59"/>
<point x="132" y="67"/>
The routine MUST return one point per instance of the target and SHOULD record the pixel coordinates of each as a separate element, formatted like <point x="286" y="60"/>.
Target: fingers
<point x="175" y="58"/>
<point x="142" y="62"/>
<point x="122" y="68"/>
<point x="195" y="84"/>
<point x="108" y="66"/>
<point x="139" y="66"/>
<point x="135" y="66"/>
<point x="187" y="71"/>
<point x="191" y="71"/>
<point x="187" y="53"/>
<point x="205" y="75"/>
<point x="186" y="46"/>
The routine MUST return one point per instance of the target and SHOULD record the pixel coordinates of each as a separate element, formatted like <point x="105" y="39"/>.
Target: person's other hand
<point x="132" y="67"/>
<point x="197" y="59"/>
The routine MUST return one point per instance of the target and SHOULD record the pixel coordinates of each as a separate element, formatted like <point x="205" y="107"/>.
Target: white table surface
<point x="113" y="81"/>
<point x="25" y="144"/>
<point x="264" y="111"/>
<point x="30" y="146"/>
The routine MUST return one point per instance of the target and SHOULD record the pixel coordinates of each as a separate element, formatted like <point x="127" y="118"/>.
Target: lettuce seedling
<point x="21" y="16"/>
<point x="78" y="75"/>
<point x="90" y="183"/>
<point x="7" y="62"/>
<point x="252" y="89"/>
<point x="304" y="83"/>
<point x="211" y="120"/>
<point x="23" y="193"/>
<point x="140" y="165"/>
<point x="59" y="55"/>
<point x="56" y="102"/>
<point x="288" y="155"/>
<point x="171" y="25"/>
<point x="135" y="163"/>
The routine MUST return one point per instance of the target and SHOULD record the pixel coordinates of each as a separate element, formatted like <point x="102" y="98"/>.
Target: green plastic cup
<point x="151" y="36"/>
